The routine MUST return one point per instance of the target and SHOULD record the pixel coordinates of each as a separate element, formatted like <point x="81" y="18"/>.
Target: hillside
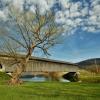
<point x="90" y="65"/>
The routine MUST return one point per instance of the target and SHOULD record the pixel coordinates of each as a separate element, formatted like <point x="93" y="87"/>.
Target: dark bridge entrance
<point x="0" y="66"/>
<point x="71" y="76"/>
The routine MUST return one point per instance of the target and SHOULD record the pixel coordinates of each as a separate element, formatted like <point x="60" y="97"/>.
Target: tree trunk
<point x="17" y="73"/>
<point x="20" y="68"/>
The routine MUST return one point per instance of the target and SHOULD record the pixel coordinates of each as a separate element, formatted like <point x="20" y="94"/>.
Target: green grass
<point x="89" y="77"/>
<point x="49" y="90"/>
<point x="95" y="79"/>
<point x="4" y="78"/>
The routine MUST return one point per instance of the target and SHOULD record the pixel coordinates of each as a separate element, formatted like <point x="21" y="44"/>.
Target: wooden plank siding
<point x="50" y="66"/>
<point x="40" y="65"/>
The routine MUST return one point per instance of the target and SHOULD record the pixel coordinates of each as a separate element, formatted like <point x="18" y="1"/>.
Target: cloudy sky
<point x="81" y="20"/>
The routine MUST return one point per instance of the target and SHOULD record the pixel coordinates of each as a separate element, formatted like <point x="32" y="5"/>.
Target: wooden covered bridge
<point x="36" y="64"/>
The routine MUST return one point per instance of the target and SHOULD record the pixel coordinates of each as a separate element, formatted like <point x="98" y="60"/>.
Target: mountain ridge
<point x="92" y="65"/>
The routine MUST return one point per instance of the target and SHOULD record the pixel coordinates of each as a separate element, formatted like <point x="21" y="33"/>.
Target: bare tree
<point x="30" y="31"/>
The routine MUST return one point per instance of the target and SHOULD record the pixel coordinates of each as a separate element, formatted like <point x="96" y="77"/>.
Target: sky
<point x="79" y="18"/>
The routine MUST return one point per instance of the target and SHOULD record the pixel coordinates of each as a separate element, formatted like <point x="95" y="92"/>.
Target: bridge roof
<point x="39" y="59"/>
<point x="51" y="60"/>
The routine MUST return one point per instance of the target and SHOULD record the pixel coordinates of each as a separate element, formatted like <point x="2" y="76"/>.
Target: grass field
<point x="50" y="91"/>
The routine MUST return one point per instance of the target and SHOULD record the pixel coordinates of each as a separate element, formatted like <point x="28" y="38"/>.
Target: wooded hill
<point x="90" y="65"/>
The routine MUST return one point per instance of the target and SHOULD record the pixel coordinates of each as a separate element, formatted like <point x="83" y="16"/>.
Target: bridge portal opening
<point x="71" y="76"/>
<point x="1" y="66"/>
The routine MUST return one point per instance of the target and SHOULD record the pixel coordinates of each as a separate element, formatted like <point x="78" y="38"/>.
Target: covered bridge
<point x="36" y="64"/>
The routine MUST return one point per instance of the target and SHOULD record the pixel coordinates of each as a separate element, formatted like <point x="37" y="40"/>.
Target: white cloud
<point x="44" y="5"/>
<point x="18" y="4"/>
<point x="93" y="18"/>
<point x="32" y="8"/>
<point x="75" y="7"/>
<point x="65" y="3"/>
<point x="78" y="21"/>
<point x="75" y="14"/>
<point x="72" y="14"/>
<point x="59" y="17"/>
<point x="84" y="11"/>
<point x="66" y="13"/>
<point x="91" y="29"/>
<point x="96" y="9"/>
<point x="2" y="15"/>
<point x="70" y="22"/>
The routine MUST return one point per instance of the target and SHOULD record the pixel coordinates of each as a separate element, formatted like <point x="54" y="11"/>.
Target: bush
<point x="4" y="76"/>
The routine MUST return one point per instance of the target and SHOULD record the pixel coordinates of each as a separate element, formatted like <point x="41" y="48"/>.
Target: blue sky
<point x="78" y="47"/>
<point x="80" y="19"/>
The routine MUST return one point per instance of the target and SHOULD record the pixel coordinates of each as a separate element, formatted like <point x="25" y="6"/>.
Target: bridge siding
<point x="49" y="66"/>
<point x="37" y="65"/>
